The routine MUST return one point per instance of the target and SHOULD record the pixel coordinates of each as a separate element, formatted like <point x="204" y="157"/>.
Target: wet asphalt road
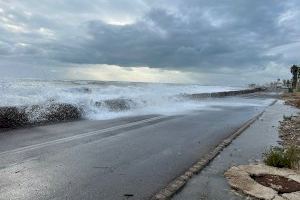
<point x="247" y="148"/>
<point x="129" y="158"/>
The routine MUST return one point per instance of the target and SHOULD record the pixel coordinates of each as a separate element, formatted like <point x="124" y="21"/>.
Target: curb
<point x="179" y="182"/>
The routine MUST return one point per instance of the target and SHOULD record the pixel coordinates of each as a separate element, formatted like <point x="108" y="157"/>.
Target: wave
<point x="36" y="102"/>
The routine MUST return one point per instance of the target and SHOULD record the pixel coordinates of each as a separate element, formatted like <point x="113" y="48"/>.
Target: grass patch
<point x="282" y="157"/>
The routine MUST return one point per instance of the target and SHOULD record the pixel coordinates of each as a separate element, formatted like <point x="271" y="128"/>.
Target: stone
<point x="292" y="196"/>
<point x="18" y="116"/>
<point x="241" y="180"/>
<point x="116" y="105"/>
<point x="11" y="117"/>
<point x="239" y="177"/>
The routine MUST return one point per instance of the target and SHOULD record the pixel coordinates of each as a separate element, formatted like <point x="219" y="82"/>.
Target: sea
<point x="106" y="100"/>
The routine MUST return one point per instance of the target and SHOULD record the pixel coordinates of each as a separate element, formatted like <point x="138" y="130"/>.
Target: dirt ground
<point x="292" y="99"/>
<point x="278" y="183"/>
<point x="289" y="129"/>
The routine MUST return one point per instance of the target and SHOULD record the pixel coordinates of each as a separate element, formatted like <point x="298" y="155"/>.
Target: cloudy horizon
<point x="196" y="41"/>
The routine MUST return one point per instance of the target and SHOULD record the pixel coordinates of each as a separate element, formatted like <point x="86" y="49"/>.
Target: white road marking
<point x="79" y="136"/>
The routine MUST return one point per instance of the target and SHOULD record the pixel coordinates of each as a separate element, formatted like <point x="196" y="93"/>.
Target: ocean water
<point x="105" y="100"/>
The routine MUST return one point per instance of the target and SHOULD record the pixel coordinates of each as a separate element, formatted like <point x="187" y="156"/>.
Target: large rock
<point x="292" y="196"/>
<point x="13" y="117"/>
<point x="240" y="178"/>
<point x="116" y="105"/>
<point x="60" y="112"/>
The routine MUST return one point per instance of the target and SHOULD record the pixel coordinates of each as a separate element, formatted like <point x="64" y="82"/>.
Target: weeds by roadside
<point x="280" y="157"/>
<point x="292" y="99"/>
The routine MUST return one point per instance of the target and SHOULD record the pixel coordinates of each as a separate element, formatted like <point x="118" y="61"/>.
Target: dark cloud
<point x="194" y="35"/>
<point x="203" y="36"/>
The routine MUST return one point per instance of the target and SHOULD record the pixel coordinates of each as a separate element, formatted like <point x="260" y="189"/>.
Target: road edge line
<point x="79" y="136"/>
<point x="178" y="183"/>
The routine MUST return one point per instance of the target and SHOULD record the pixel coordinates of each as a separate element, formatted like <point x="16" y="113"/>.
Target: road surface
<point x="127" y="158"/>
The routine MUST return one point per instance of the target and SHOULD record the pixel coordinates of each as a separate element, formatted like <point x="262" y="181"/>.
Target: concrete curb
<point x="179" y="182"/>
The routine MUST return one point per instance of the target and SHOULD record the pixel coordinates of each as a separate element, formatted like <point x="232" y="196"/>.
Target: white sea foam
<point x="99" y="99"/>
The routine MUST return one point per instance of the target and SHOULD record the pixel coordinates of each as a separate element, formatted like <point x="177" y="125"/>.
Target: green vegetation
<point x="282" y="157"/>
<point x="287" y="117"/>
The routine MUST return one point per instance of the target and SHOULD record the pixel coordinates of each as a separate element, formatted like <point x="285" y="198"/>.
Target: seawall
<point x="223" y="94"/>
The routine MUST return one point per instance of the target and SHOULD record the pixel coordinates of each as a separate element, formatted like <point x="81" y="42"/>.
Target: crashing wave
<point x="28" y="102"/>
<point x="17" y="116"/>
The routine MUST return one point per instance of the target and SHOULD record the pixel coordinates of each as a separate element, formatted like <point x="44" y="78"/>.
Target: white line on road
<point x="80" y="136"/>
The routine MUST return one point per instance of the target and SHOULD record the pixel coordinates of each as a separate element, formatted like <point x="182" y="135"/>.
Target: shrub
<point x="292" y="156"/>
<point x="287" y="117"/>
<point x="282" y="158"/>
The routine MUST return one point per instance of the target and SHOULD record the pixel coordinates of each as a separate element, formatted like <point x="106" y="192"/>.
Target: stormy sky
<point x="201" y="41"/>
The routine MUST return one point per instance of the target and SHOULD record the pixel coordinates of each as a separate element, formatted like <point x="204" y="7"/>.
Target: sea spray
<point x="34" y="101"/>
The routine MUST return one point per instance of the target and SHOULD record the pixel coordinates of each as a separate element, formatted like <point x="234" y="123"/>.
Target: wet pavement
<point x="247" y="148"/>
<point x="129" y="158"/>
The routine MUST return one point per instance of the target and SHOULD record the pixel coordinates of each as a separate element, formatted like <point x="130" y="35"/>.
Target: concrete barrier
<point x="223" y="94"/>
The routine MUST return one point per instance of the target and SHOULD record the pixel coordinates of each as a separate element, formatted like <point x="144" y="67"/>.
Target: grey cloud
<point x="193" y="35"/>
<point x="163" y="39"/>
